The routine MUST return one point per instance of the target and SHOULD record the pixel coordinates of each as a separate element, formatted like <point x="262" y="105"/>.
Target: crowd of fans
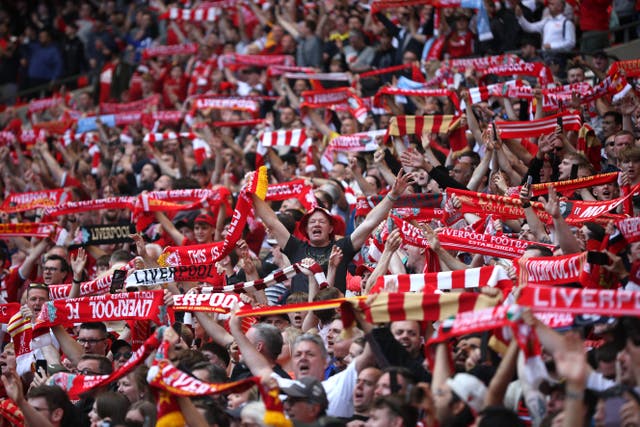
<point x="90" y="64"/>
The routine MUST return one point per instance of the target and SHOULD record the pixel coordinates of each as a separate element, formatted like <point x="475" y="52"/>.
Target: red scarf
<point x="534" y="69"/>
<point x="555" y="270"/>
<point x="296" y="189"/>
<point x="413" y="201"/>
<point x="221" y="103"/>
<point x="173" y="256"/>
<point x="20" y="202"/>
<point x="176" y="49"/>
<point x="568" y="186"/>
<point x="335" y="98"/>
<point x="604" y="302"/>
<point x="141" y="105"/>
<point x="416" y="125"/>
<point x="575" y="212"/>
<point x="236" y="59"/>
<point x="630" y="229"/>
<point x="378" y="100"/>
<point x="77" y="385"/>
<point x="27" y="229"/>
<point x="98" y="286"/>
<point x="146" y="305"/>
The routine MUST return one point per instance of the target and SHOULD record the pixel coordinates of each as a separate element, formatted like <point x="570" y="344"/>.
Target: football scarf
<point x="573" y="211"/>
<point x="141" y="105"/>
<point x="416" y="125"/>
<point x="77" y="385"/>
<point x="296" y="189"/>
<point x="146" y="305"/>
<point x="536" y="128"/>
<point x="470" y="278"/>
<point x="27" y="229"/>
<point x="388" y="307"/>
<point x="534" y="69"/>
<point x="604" y="302"/>
<point x="334" y="98"/>
<point x="220" y="103"/>
<point x="105" y="234"/>
<point x="173" y="256"/>
<point x="556" y="270"/>
<point x="20" y="202"/>
<point x="413" y="201"/>
<point x="21" y="331"/>
<point x="285" y="138"/>
<point x="630" y="229"/>
<point x="170" y="50"/>
<point x="181" y="273"/>
<point x="568" y="186"/>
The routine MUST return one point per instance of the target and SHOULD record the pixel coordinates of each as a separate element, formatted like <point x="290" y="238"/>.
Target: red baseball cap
<point x="205" y="218"/>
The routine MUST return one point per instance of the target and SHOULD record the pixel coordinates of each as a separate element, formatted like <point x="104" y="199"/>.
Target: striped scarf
<point x="388" y="307"/>
<point x="416" y="125"/>
<point x="286" y="138"/>
<point x="466" y="279"/>
<point x="536" y="128"/>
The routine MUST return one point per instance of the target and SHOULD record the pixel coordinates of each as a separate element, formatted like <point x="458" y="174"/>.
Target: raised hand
<point x="78" y="263"/>
<point x="403" y="181"/>
<point x="412" y="158"/>
<point x="552" y="206"/>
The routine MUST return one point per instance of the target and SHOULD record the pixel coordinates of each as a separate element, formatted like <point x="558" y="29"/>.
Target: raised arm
<point x="380" y="212"/>
<point x="268" y="216"/>
<point x="256" y="362"/>
<point x="563" y="234"/>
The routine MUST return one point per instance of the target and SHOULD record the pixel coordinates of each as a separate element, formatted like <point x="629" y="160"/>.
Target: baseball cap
<point x="205" y="218"/>
<point x="469" y="389"/>
<point x="307" y="388"/>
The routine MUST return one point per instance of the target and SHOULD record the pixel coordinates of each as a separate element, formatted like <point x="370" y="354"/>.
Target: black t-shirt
<point x="297" y="250"/>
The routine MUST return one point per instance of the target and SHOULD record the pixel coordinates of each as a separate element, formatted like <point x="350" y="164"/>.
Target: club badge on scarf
<point x="145" y="305"/>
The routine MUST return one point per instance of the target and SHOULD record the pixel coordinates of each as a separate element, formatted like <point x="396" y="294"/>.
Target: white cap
<point x="469" y="389"/>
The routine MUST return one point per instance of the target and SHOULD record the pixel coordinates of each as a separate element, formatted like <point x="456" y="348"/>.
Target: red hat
<point x="302" y="225"/>
<point x="364" y="267"/>
<point x="205" y="218"/>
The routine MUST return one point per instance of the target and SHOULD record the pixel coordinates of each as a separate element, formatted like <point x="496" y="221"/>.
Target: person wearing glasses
<point x="92" y="339"/>
<point x="55" y="270"/>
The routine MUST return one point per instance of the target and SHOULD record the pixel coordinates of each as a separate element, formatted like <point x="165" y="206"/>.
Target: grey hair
<point x="316" y="339"/>
<point x="271" y="337"/>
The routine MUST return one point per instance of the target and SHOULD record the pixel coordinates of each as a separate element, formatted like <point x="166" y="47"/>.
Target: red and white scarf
<point x="141" y="105"/>
<point x="536" y="128"/>
<point x="221" y="103"/>
<point x="534" y="69"/>
<point x="630" y="229"/>
<point x="605" y="302"/>
<point x="332" y="98"/>
<point x="286" y="138"/>
<point x="296" y="189"/>
<point x="20" y="202"/>
<point x="416" y="125"/>
<point x="146" y="305"/>
<point x="164" y="50"/>
<point x="556" y="270"/>
<point x="256" y="60"/>
<point x="77" y="385"/>
<point x="27" y="229"/>
<point x="470" y="278"/>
